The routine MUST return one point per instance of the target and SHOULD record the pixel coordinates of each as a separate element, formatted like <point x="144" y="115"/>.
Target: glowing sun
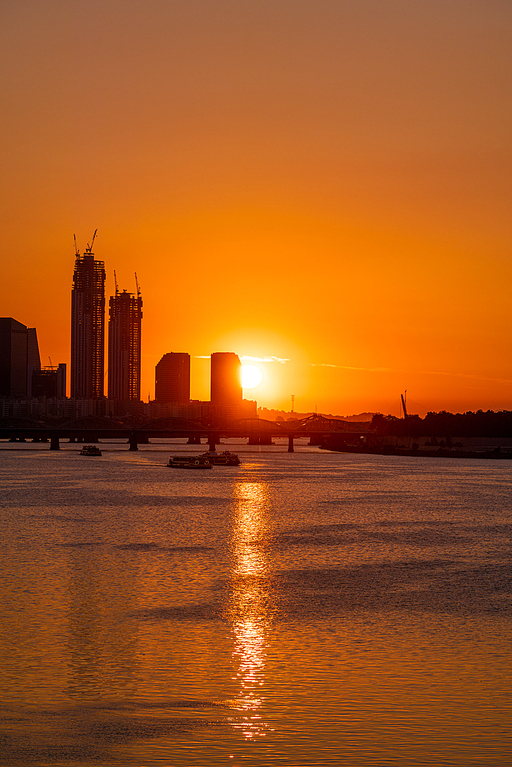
<point x="251" y="376"/>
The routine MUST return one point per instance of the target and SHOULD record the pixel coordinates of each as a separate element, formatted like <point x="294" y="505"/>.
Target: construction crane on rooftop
<point x="137" y="285"/>
<point x="89" y="247"/>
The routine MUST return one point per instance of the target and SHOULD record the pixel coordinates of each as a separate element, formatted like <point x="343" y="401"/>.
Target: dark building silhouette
<point x="124" y="346"/>
<point x="226" y="379"/>
<point x="172" y="378"/>
<point x="88" y="326"/>
<point x="49" y="381"/>
<point x="19" y="357"/>
<point x="33" y="359"/>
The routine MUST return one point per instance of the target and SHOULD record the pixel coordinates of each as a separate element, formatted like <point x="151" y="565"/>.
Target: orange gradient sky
<point x="326" y="183"/>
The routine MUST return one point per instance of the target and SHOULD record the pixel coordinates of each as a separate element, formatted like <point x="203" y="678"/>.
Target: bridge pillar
<point x="132" y="439"/>
<point x="290" y="443"/>
<point x="194" y="439"/>
<point x="213" y="439"/>
<point x="254" y="439"/>
<point x="54" y="441"/>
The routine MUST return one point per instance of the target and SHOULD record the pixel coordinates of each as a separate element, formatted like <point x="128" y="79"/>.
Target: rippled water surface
<point x="301" y="609"/>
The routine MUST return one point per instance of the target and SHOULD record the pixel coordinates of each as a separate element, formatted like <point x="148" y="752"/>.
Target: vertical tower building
<point x="226" y="379"/>
<point x="88" y="326"/>
<point x="19" y="358"/>
<point x="172" y="378"/>
<point x="124" y="346"/>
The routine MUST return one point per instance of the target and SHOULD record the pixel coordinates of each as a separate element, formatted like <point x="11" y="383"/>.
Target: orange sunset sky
<point x="321" y="184"/>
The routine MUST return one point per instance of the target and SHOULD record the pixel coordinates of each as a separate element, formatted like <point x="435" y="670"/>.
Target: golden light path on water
<point x="250" y="600"/>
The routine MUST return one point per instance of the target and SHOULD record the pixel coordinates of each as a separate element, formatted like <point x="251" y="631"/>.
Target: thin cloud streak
<point x="246" y="358"/>
<point x="412" y="372"/>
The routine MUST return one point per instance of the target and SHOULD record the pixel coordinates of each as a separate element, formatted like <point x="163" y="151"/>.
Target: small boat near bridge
<point x="189" y="462"/>
<point x="90" y="450"/>
<point x="222" y="459"/>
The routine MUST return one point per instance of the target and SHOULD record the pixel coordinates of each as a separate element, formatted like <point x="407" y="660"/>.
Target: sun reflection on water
<point x="250" y="601"/>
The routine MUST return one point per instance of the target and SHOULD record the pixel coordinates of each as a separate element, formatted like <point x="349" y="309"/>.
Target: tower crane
<point x="137" y="285"/>
<point x="115" y="282"/>
<point x="77" y="252"/>
<point x="403" y="403"/>
<point x="89" y="247"/>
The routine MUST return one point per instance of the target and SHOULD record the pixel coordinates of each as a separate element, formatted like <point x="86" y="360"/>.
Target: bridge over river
<point x="258" y="431"/>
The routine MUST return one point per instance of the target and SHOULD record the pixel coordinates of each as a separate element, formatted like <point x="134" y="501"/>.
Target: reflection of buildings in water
<point x="250" y="598"/>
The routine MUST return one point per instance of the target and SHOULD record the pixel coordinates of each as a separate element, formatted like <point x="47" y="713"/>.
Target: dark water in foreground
<point x="305" y="609"/>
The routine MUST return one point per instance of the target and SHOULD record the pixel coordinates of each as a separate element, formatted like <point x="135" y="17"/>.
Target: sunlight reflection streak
<point x="249" y="601"/>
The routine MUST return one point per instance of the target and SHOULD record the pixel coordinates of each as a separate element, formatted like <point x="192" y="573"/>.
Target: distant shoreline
<point x="442" y="452"/>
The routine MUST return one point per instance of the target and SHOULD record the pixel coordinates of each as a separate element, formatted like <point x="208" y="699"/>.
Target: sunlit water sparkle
<point x="301" y="609"/>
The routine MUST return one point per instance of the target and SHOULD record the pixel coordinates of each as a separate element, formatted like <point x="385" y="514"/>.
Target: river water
<point x="311" y="608"/>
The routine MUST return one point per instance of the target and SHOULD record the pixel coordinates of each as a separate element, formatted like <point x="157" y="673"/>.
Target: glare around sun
<point x="251" y="376"/>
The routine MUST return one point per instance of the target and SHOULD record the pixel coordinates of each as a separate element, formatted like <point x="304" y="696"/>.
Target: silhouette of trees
<point x="446" y="425"/>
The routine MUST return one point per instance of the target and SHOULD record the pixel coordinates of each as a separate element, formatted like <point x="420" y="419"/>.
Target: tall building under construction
<point x="88" y="326"/>
<point x="124" y="346"/>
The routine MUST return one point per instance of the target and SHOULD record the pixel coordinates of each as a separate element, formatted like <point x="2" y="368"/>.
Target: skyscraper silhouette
<point x="88" y="326"/>
<point x="172" y="378"/>
<point x="124" y="346"/>
<point x="19" y="357"/>
<point x="226" y="379"/>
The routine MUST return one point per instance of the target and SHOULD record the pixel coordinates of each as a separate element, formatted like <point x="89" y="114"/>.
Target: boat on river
<point x="189" y="462"/>
<point x="222" y="459"/>
<point x="90" y="450"/>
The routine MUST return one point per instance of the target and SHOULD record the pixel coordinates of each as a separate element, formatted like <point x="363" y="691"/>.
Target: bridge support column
<point x="54" y="442"/>
<point x="290" y="444"/>
<point x="194" y="439"/>
<point x="132" y="439"/>
<point x="213" y="439"/>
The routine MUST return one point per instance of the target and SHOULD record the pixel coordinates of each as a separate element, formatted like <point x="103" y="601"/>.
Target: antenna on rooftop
<point x="115" y="282"/>
<point x="293" y="401"/>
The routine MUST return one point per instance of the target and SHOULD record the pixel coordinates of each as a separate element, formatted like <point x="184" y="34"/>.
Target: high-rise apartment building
<point x="124" y="346"/>
<point x="19" y="358"/>
<point x="88" y="326"/>
<point x="172" y="378"/>
<point x="226" y="379"/>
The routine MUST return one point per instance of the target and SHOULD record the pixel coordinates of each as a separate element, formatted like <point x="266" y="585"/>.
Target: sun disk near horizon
<point x="251" y="376"/>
